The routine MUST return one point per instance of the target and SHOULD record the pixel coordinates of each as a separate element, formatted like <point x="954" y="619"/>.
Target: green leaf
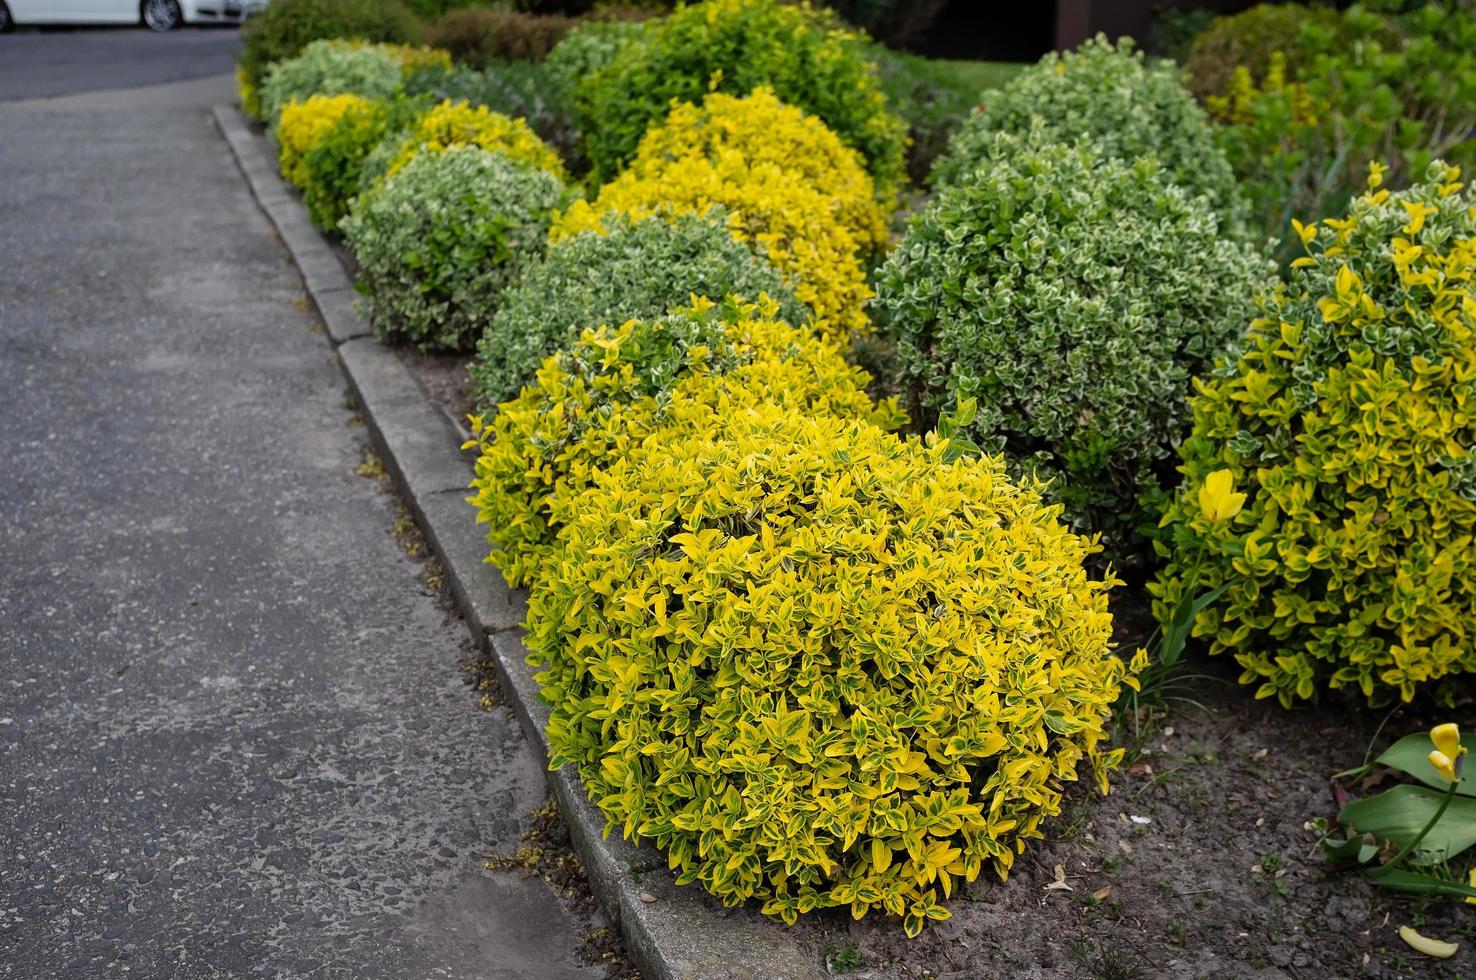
<point x="1359" y="849"/>
<point x="1399" y="814"/>
<point x="1412" y="881"/>
<point x="1408" y="756"/>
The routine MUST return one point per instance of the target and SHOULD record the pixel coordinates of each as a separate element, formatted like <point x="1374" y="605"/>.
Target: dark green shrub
<point x="1073" y="295"/>
<point x="1128" y="106"/>
<point x="1302" y="136"/>
<point x="285" y="27"/>
<point x="477" y="36"/>
<point x="1249" y="39"/>
<point x="896" y="22"/>
<point x="639" y="270"/>
<point x="1172" y="31"/>
<point x="520" y="89"/>
<point x="439" y="241"/>
<point x="735" y="46"/>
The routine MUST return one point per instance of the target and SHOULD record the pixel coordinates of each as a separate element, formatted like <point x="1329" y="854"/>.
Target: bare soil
<point x="1200" y="863"/>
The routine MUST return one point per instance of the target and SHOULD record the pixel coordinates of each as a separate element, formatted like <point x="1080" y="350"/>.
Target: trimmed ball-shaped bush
<point x="1249" y="39"/>
<point x="639" y="270"/>
<point x="463" y="124"/>
<point x="302" y="125"/>
<point x="776" y="210"/>
<point x="590" y="46"/>
<point x="766" y="131"/>
<point x="439" y="241"/>
<point x="821" y="666"/>
<point x="1348" y="421"/>
<point x="1112" y="96"/>
<point x="329" y="68"/>
<point x="599" y="400"/>
<point x="333" y="165"/>
<point x="1074" y="296"/>
<point x="734" y="46"/>
<point x="284" y="27"/>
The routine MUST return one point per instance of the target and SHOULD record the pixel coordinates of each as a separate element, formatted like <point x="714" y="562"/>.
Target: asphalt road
<point x="234" y="740"/>
<point x="41" y="63"/>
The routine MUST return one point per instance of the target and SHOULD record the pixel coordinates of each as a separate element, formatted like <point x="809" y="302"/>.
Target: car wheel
<point x="161" y="15"/>
<point x="5" y="22"/>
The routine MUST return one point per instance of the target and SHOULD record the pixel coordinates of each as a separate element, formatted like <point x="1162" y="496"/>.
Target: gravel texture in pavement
<point x="233" y="737"/>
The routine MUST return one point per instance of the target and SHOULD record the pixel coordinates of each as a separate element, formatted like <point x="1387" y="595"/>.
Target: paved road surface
<point x="233" y="737"/>
<point x="37" y="63"/>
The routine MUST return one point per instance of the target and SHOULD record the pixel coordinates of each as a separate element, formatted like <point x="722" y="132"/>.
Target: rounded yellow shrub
<point x="598" y="402"/>
<point x="302" y="124"/>
<point x="776" y="210"/>
<point x="1348" y="423"/>
<point x="463" y="124"/>
<point x="819" y="665"/>
<point x="768" y="131"/>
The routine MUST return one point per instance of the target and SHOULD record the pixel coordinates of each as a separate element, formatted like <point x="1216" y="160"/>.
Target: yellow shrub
<point x="1348" y="420"/>
<point x="303" y="124"/>
<point x="246" y="92"/>
<point x="598" y="401"/>
<point x="413" y="57"/>
<point x="463" y="124"/>
<point x="766" y="130"/>
<point x="778" y="211"/>
<point x="821" y="666"/>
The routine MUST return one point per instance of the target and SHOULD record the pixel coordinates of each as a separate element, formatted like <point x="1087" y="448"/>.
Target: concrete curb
<point x="680" y="935"/>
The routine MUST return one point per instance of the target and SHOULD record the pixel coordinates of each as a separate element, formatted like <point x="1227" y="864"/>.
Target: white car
<point x="157" y="15"/>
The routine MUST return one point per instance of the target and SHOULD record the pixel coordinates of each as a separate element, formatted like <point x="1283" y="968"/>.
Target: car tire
<point x="160" y="15"/>
<point x="5" y="21"/>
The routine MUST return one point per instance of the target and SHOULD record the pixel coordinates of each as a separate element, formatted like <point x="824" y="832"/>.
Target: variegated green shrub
<point x="439" y="241"/>
<point x="1073" y="295"/>
<point x="635" y="270"/>
<point x="1128" y="106"/>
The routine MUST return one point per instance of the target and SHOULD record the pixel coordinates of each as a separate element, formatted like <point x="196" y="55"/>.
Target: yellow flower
<point x="1447" y="739"/>
<point x="1443" y="764"/>
<point x="1471" y="880"/>
<point x="1217" y="499"/>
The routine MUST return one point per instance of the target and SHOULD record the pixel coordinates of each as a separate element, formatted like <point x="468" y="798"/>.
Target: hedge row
<point x="819" y="653"/>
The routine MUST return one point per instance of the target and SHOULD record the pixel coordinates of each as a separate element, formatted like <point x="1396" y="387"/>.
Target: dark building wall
<point x="1025" y="30"/>
<point x="1077" y="20"/>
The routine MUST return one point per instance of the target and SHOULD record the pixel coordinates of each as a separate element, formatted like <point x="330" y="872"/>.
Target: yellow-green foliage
<point x="775" y="209"/>
<point x="247" y="93"/>
<point x="463" y="124"/>
<point x="766" y="130"/>
<point x="819" y="665"/>
<point x="1348" y="420"/>
<point x="413" y="57"/>
<point x="598" y="401"/>
<point x="803" y="53"/>
<point x="303" y="124"/>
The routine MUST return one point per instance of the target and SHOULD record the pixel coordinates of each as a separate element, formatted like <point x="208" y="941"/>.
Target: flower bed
<point x="824" y="654"/>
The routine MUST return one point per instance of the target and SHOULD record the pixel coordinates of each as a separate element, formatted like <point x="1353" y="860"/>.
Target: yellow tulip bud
<point x="1447" y="739"/>
<point x="1443" y="764"/>
<point x="1471" y="880"/>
